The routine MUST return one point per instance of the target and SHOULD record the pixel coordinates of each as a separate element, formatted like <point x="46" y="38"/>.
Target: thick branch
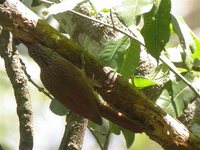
<point x="74" y="132"/>
<point x="19" y="83"/>
<point x="138" y="113"/>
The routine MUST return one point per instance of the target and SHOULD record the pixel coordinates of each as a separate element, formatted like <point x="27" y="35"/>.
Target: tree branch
<point x="74" y="132"/>
<point x="19" y="83"/>
<point x="126" y="106"/>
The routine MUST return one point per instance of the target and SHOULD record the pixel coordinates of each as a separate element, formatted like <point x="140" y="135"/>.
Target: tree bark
<point x="123" y="104"/>
<point x="19" y="83"/>
<point x="74" y="132"/>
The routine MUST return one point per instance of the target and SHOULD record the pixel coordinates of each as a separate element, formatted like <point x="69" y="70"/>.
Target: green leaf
<point x="176" y="95"/>
<point x="130" y="60"/>
<point x="186" y="40"/>
<point x="100" y="132"/>
<point x="36" y="3"/>
<point x="197" y="120"/>
<point x="113" y="52"/>
<point x="142" y="82"/>
<point x="122" y="54"/>
<point x="129" y="137"/>
<point x="156" y="29"/>
<point x="130" y="9"/>
<point x="105" y="10"/>
<point x="57" y="108"/>
<point x="196" y="54"/>
<point x="114" y="128"/>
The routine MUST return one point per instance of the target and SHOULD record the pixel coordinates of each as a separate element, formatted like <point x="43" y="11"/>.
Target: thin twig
<point x="103" y="23"/>
<point x="91" y="4"/>
<point x="120" y="20"/>
<point x="48" y="2"/>
<point x="111" y="18"/>
<point x="40" y="89"/>
<point x="106" y="143"/>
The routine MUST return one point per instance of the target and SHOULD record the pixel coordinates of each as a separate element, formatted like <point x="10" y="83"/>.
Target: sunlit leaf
<point x="106" y="10"/>
<point x="130" y="9"/>
<point x="142" y="82"/>
<point x="174" y="54"/>
<point x="197" y="49"/>
<point x="156" y="30"/>
<point x="186" y="40"/>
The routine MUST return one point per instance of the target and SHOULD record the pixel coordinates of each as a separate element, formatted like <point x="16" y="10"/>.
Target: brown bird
<point x="65" y="82"/>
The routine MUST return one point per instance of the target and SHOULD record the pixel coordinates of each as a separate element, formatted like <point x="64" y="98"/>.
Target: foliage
<point x="176" y="95"/>
<point x="131" y="9"/>
<point x="123" y="53"/>
<point x="142" y="82"/>
<point x="58" y="108"/>
<point x="156" y="27"/>
<point x="128" y="135"/>
<point x="186" y="40"/>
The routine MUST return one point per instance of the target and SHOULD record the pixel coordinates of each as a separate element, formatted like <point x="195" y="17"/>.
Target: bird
<point x="65" y="82"/>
